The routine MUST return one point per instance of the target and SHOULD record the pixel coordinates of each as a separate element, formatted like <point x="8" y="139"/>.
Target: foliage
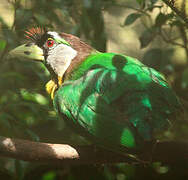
<point x="26" y="110"/>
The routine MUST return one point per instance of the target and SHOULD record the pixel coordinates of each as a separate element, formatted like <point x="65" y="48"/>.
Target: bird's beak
<point x="29" y="51"/>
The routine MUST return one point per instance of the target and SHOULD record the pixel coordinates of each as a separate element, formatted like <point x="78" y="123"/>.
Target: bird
<point x="112" y="99"/>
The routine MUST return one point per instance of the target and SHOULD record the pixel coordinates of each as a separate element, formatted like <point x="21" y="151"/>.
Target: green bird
<point x="112" y="99"/>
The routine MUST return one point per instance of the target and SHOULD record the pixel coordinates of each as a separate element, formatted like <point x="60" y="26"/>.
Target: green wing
<point x="119" y="104"/>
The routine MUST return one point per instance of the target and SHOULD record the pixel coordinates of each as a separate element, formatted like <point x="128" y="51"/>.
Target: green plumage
<point x="116" y="101"/>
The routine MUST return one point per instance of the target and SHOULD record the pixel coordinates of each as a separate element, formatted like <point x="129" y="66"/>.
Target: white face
<point x="60" y="57"/>
<point x="58" y="53"/>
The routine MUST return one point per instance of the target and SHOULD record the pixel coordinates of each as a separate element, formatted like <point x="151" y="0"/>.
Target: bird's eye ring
<point x="50" y="42"/>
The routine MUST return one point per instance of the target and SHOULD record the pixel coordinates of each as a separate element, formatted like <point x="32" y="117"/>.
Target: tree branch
<point x="56" y="153"/>
<point x="167" y="152"/>
<point x="180" y="7"/>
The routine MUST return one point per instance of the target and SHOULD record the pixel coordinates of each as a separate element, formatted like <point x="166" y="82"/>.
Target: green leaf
<point x="140" y="1"/>
<point x="162" y="18"/>
<point x="49" y="176"/>
<point x="40" y="99"/>
<point x="146" y="37"/>
<point x="153" y="1"/>
<point x="27" y="95"/>
<point x="159" y="168"/>
<point x="2" y="44"/>
<point x="132" y="18"/>
<point x="35" y="97"/>
<point x="185" y="79"/>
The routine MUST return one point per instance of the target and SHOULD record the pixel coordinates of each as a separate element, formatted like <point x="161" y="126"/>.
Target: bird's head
<point x="55" y="51"/>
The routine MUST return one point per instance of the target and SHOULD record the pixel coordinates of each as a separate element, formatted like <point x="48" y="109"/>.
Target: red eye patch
<point x="50" y="43"/>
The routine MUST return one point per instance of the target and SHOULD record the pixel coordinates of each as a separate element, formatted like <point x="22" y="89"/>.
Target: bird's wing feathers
<point x="118" y="106"/>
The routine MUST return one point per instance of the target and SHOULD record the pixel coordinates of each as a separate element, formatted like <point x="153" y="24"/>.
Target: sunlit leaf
<point x="27" y="95"/>
<point x="41" y="99"/>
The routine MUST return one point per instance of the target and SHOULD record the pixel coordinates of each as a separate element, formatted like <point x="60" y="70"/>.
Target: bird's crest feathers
<point x="34" y="34"/>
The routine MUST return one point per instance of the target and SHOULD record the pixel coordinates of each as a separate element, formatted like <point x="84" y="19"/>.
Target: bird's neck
<point x="83" y="51"/>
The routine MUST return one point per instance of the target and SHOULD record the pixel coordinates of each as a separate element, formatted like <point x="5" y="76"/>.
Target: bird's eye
<point x="50" y="42"/>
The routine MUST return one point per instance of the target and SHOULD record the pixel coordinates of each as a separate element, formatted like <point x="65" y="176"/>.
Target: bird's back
<point x="116" y="100"/>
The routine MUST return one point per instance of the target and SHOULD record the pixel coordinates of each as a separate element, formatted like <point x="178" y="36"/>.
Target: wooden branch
<point x="180" y="7"/>
<point x="56" y="153"/>
<point x="167" y="152"/>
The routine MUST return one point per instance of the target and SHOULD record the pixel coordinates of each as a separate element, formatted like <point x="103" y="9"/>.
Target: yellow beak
<point x="29" y="51"/>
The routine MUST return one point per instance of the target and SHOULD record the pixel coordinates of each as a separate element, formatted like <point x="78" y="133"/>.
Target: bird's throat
<point x="52" y="86"/>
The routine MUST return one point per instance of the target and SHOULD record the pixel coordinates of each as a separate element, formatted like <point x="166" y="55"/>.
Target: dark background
<point x="145" y="29"/>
